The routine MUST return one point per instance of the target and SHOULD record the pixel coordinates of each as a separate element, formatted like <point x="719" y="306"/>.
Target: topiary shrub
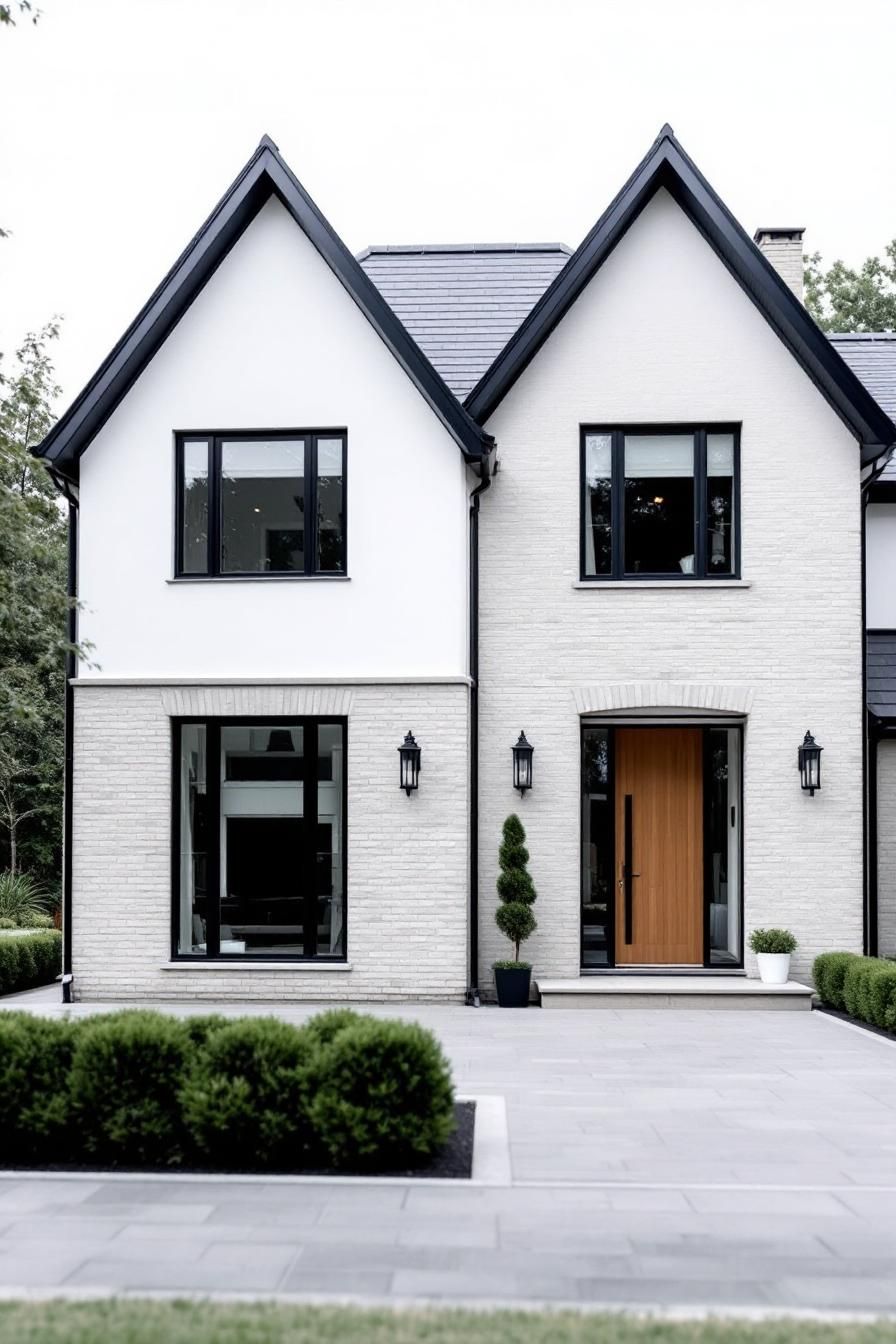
<point x="35" y="1108"/>
<point x="324" y="1027"/>
<point x="125" y="1080"/>
<point x="201" y="1027"/>
<point x="245" y="1100"/>
<point x="854" y="985"/>
<point x="774" y="941"/>
<point x="36" y="922"/>
<point x="828" y="971"/>
<point x="879" y="998"/>
<point x="514" y="915"/>
<point x="383" y="1095"/>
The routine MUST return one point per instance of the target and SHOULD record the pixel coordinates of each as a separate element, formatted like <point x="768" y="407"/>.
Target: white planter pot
<point x="774" y="967"/>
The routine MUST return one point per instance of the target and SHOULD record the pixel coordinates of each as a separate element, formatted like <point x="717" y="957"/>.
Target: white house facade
<point x="343" y="528"/>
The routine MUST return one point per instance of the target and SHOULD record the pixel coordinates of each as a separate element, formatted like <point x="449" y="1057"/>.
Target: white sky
<point x="415" y="121"/>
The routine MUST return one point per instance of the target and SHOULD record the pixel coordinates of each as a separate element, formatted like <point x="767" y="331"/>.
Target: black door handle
<point x="627" y="874"/>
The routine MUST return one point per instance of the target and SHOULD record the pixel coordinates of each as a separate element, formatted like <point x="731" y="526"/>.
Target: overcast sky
<point x="418" y="121"/>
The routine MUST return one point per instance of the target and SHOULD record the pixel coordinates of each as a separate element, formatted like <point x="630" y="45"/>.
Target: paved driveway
<point x="672" y="1158"/>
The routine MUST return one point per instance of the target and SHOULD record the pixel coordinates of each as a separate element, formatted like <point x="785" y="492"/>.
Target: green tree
<point x="514" y="915"/>
<point x="33" y="611"/>
<point x="23" y="8"/>
<point x="843" y="299"/>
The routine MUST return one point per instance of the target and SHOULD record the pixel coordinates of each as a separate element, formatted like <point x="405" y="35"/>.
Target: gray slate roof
<point x="463" y="303"/>
<point x="881" y="666"/>
<point x="872" y="358"/>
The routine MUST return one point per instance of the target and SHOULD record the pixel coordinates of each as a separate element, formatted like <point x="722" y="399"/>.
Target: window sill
<point x="627" y="584"/>
<point x="215" y="965"/>
<point x="260" y="578"/>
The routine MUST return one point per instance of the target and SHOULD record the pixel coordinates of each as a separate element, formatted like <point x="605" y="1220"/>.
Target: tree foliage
<point x="22" y="8"/>
<point x="514" y="915"/>
<point x="33" y="611"/>
<point x="843" y="299"/>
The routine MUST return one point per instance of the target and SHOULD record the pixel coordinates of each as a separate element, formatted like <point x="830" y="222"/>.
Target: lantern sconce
<point x="409" y="764"/>
<point x="522" y="763"/>
<point x="809" y="762"/>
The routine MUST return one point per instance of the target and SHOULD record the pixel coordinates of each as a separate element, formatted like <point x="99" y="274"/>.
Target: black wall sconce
<point x="409" y="764"/>
<point x="809" y="760"/>
<point x="522" y="763"/>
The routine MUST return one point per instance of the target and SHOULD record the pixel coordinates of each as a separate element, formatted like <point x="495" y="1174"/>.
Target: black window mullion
<point x="617" y="504"/>
<point x="308" y="858"/>
<point x="213" y="865"/>
<point x="700" y="503"/>
<point x="215" y="507"/>
<point x="311" y="504"/>
<point x="180" y="486"/>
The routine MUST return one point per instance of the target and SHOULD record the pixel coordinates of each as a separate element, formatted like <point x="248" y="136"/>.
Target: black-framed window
<point x="660" y="502"/>
<point x="261" y="503"/>
<point x="259" y="839"/>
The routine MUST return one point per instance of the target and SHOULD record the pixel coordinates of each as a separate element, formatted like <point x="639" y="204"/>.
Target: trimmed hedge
<point x="29" y="960"/>
<point x="864" y="987"/>
<point x="142" y="1089"/>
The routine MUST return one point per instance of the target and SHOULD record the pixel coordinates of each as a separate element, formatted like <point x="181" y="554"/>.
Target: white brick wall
<point x="664" y="334"/>
<point x="886" y="848"/>
<point x="407" y="857"/>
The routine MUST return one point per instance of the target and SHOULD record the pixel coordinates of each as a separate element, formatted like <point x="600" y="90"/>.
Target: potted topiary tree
<point x="773" y="948"/>
<point x="514" y="915"/>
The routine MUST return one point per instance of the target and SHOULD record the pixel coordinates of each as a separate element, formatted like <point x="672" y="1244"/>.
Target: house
<point x="345" y="531"/>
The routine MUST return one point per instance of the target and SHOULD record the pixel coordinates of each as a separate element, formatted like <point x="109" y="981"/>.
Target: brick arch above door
<point x="709" y="697"/>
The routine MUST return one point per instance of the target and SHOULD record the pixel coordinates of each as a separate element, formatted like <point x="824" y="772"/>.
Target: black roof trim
<point x="436" y="249"/>
<point x="266" y="174"/>
<point x="667" y="165"/>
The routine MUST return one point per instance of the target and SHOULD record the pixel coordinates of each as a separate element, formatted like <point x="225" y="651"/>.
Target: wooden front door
<point x="659" y="846"/>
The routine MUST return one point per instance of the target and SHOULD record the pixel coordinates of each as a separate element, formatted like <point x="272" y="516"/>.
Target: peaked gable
<point x="265" y="175"/>
<point x="667" y="165"/>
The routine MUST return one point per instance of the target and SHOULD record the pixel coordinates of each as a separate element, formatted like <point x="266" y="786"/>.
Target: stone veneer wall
<point x="407" y="857"/>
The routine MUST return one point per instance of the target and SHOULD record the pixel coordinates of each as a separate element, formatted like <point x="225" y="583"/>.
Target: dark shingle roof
<point x="872" y="358"/>
<point x="463" y="303"/>
<point x="881" y="666"/>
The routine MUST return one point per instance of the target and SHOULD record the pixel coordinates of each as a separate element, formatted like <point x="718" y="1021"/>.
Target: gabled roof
<point x="462" y="303"/>
<point x="872" y="357"/>
<point x="667" y="165"/>
<point x="265" y="175"/>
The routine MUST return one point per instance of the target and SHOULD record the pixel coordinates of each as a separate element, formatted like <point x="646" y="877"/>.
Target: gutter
<point x="485" y="472"/>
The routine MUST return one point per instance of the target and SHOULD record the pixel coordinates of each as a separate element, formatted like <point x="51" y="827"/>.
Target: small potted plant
<point x="773" y="948"/>
<point x="514" y="915"/>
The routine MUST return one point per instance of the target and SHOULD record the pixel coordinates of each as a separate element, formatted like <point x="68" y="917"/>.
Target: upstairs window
<point x="250" y="504"/>
<point x="660" y="503"/>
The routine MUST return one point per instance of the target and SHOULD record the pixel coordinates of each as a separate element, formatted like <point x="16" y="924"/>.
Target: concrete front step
<point x="672" y="991"/>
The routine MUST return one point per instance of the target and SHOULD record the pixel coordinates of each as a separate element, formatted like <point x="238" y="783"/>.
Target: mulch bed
<point x="856" y="1021"/>
<point x="454" y="1162"/>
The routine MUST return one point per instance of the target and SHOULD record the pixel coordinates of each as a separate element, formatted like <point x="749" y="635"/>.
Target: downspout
<point x="869" y="750"/>
<point x="472" y="996"/>
<point x="71" y="670"/>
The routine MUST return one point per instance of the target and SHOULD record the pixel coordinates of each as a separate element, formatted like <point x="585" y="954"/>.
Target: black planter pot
<point x="513" y="987"/>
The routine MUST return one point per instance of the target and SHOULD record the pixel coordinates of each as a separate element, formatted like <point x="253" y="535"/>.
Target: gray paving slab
<point x="658" y="1158"/>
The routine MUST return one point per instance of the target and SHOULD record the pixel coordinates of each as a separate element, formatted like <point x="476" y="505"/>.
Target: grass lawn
<point x="138" y="1322"/>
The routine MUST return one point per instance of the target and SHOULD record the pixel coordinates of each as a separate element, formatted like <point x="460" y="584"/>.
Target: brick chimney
<point x="784" y="249"/>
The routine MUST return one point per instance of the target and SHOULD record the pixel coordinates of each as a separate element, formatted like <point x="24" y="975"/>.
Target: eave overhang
<point x="666" y="165"/>
<point x="265" y="175"/>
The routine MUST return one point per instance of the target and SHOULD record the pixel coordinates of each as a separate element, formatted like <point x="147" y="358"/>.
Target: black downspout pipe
<point x="472" y="996"/>
<point x="71" y="668"/>
<point x="870" y="739"/>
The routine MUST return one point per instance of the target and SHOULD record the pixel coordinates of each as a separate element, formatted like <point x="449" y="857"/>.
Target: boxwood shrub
<point x="29" y="960"/>
<point x="383" y="1095"/>
<point x="35" y="1060"/>
<point x="864" y="987"/>
<point x="246" y="1096"/>
<point x="125" y="1080"/>
<point x="141" y="1089"/>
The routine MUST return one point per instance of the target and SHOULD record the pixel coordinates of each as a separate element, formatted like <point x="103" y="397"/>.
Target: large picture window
<point x="251" y="504"/>
<point x="660" y="503"/>
<point x="259" y="824"/>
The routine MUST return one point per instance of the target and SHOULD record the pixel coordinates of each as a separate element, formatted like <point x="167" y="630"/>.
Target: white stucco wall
<point x="880" y="566"/>
<point x="274" y="341"/>
<point x="664" y="334"/>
